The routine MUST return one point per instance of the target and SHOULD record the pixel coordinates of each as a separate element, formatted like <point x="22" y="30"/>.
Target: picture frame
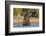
<point x="10" y="6"/>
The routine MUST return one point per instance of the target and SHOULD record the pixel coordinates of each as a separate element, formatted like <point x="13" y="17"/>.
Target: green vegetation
<point x="28" y="12"/>
<point x="35" y="13"/>
<point x="17" y="11"/>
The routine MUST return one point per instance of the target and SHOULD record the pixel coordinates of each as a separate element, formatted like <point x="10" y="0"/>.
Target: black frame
<point x="7" y="22"/>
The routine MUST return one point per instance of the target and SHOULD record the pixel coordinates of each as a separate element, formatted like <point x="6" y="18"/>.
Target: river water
<point x="21" y="25"/>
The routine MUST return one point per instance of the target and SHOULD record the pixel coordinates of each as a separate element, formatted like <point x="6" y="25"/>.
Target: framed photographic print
<point x="24" y="17"/>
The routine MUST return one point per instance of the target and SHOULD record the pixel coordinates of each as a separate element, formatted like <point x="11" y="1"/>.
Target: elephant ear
<point x="24" y="12"/>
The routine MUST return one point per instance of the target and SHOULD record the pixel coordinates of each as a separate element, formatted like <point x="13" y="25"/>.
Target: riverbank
<point x="21" y="18"/>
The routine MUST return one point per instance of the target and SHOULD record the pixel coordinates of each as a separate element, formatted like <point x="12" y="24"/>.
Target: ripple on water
<point x="31" y="25"/>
